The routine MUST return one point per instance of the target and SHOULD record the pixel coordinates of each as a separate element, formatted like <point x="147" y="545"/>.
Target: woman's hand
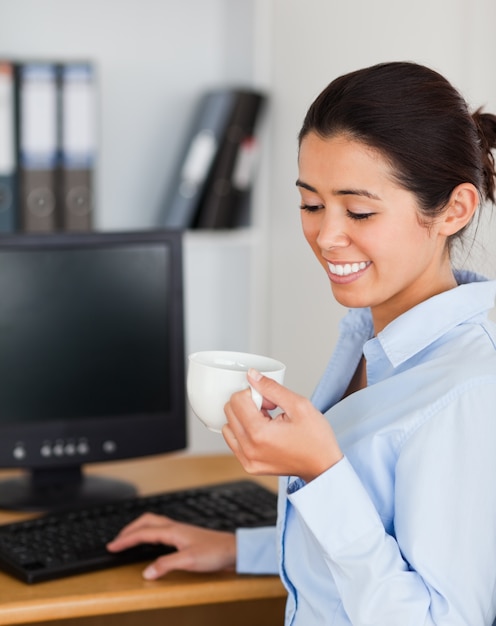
<point x="297" y="442"/>
<point x="198" y="549"/>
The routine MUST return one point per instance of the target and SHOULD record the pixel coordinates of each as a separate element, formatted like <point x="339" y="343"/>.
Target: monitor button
<point x="82" y="447"/>
<point x="46" y="450"/>
<point x="19" y="452"/>
<point x="58" y="449"/>
<point x="70" y="449"/>
<point x="109" y="446"/>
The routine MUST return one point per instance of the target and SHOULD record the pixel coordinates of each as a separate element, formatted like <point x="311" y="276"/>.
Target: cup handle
<point x="256" y="397"/>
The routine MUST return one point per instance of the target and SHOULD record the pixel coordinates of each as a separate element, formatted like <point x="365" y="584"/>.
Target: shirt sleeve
<point x="256" y="550"/>
<point x="438" y="566"/>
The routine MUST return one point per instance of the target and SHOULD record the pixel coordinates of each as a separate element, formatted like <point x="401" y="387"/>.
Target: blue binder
<point x="8" y="161"/>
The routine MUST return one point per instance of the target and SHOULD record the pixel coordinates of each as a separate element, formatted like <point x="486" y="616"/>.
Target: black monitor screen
<point x="91" y="348"/>
<point x="83" y="333"/>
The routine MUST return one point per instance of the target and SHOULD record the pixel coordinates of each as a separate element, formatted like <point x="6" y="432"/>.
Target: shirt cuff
<point x="336" y="508"/>
<point x="256" y="550"/>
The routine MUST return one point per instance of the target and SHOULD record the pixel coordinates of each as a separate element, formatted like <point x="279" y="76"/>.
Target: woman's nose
<point x="332" y="233"/>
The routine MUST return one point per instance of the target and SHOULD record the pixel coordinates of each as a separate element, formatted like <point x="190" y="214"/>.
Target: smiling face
<point x="366" y="230"/>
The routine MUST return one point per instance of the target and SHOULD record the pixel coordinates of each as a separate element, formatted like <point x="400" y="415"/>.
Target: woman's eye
<point x="311" y="208"/>
<point x="359" y="216"/>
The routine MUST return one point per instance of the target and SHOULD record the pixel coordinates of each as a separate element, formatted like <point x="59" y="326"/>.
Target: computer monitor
<point x="91" y="360"/>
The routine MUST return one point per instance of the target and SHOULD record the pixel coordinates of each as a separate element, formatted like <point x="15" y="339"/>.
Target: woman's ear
<point x="462" y="205"/>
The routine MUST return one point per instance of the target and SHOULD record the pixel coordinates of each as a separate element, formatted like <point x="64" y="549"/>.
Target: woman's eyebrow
<point x="300" y="183"/>
<point x="356" y="192"/>
<point x="341" y="192"/>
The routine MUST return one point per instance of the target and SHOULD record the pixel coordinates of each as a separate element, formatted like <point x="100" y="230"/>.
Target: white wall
<point x="154" y="56"/>
<point x="315" y="41"/>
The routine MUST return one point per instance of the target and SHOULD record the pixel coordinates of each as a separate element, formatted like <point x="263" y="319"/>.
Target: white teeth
<point x="347" y="268"/>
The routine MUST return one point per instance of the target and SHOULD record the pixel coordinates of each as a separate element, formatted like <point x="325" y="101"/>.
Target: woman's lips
<point x="346" y="272"/>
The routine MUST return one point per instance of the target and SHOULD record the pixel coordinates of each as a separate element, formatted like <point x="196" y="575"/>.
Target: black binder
<point x="225" y="203"/>
<point x="224" y="122"/>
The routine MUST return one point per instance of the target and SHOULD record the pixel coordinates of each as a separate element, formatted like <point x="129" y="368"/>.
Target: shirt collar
<point x="419" y="327"/>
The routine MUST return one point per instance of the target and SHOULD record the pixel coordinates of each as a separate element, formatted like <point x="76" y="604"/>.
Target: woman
<point x="387" y="514"/>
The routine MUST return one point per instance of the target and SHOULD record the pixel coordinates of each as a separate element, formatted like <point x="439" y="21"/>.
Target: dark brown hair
<point x="418" y="121"/>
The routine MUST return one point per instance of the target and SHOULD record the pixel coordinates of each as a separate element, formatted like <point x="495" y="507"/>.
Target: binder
<point x="225" y="203"/>
<point x="37" y="145"/>
<point x="77" y="137"/>
<point x="8" y="160"/>
<point x="206" y="134"/>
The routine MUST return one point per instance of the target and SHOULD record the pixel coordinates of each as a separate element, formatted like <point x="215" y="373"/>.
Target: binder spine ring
<point x="41" y="202"/>
<point x="79" y="201"/>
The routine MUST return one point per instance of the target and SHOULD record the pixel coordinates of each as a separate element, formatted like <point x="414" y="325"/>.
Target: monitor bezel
<point x="116" y="437"/>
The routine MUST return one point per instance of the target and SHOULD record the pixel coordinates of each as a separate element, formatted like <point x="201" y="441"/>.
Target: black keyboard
<point x="72" y="542"/>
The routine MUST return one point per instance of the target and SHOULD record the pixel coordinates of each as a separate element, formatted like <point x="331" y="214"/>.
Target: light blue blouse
<point x="402" y="531"/>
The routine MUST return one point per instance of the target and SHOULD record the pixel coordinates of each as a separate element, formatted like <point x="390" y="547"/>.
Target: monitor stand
<point x="63" y="487"/>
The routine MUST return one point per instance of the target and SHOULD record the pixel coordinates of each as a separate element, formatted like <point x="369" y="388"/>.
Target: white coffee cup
<point x="214" y="375"/>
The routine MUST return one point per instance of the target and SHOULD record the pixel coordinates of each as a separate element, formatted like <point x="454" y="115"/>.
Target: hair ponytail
<point x="486" y="127"/>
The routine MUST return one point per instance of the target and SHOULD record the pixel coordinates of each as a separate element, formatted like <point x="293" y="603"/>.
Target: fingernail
<point x="150" y="573"/>
<point x="254" y="374"/>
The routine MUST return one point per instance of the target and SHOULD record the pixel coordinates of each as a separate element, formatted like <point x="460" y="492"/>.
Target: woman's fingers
<point x="144" y="521"/>
<point x="144" y="535"/>
<point x="197" y="549"/>
<point x="214" y="553"/>
<point x="299" y="441"/>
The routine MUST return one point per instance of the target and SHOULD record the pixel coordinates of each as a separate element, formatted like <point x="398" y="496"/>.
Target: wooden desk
<point x="121" y="596"/>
